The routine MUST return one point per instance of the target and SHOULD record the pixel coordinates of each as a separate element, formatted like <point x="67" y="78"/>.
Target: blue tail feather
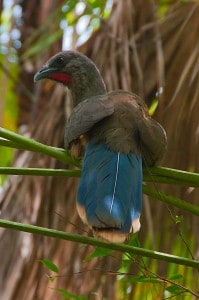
<point x="110" y="190"/>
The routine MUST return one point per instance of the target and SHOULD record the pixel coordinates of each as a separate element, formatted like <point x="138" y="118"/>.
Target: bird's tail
<point x="110" y="192"/>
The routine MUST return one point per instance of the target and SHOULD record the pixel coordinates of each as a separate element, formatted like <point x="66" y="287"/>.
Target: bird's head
<point x="76" y="71"/>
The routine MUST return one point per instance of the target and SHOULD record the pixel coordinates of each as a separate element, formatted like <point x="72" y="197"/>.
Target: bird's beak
<point x="44" y="73"/>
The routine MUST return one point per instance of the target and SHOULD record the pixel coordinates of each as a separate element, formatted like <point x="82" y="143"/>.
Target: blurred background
<point x="148" y="47"/>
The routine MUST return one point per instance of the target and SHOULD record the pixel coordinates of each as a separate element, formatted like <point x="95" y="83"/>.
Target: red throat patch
<point x="61" y="77"/>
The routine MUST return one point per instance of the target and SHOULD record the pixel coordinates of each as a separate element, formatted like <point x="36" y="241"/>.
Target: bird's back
<point x="119" y="131"/>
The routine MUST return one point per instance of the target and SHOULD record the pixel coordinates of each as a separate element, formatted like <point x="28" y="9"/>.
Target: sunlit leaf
<point x="68" y="295"/>
<point x="49" y="265"/>
<point x="8" y="107"/>
<point x="153" y="106"/>
<point x="179" y="219"/>
<point x="175" y="276"/>
<point x="145" y="279"/>
<point x="174" y="289"/>
<point x="98" y="252"/>
<point x="51" y="278"/>
<point x="163" y="7"/>
<point x="42" y="44"/>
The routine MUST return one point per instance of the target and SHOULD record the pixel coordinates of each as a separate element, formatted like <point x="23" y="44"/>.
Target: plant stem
<point x="32" y="145"/>
<point x="153" y="174"/>
<point x="40" y="172"/>
<point x="10" y="144"/>
<point x="171" y="176"/>
<point x="62" y="172"/>
<point x="91" y="241"/>
<point x="157" y="195"/>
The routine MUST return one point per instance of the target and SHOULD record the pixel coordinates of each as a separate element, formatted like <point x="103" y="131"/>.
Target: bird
<point x="115" y="137"/>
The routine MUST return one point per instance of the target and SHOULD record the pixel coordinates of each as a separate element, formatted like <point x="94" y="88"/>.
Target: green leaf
<point x="134" y="241"/>
<point x="51" y="278"/>
<point x="96" y="3"/>
<point x="175" y="276"/>
<point x="42" y="44"/>
<point x="98" y="252"/>
<point x="145" y="279"/>
<point x="9" y="105"/>
<point x="163" y="8"/>
<point x="49" y="265"/>
<point x="68" y="295"/>
<point x="179" y="219"/>
<point x="153" y="106"/>
<point x="174" y="289"/>
<point x="128" y="258"/>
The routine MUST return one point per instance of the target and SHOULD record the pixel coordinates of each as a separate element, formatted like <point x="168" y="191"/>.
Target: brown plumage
<point x="120" y="120"/>
<point x="118" y="135"/>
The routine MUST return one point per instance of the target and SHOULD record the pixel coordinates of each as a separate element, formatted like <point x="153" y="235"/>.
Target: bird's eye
<point x="60" y="61"/>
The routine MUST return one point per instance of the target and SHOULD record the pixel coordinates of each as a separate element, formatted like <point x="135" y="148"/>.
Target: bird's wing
<point x="149" y="137"/>
<point x="153" y="140"/>
<point x="86" y="114"/>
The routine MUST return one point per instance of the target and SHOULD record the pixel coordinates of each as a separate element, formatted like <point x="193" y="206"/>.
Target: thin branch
<point x="94" y="242"/>
<point x="166" y="280"/>
<point x="129" y="274"/>
<point x="179" y="203"/>
<point x="184" y="205"/>
<point x="22" y="86"/>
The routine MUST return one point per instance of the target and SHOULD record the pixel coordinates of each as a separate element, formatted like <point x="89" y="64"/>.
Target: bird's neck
<point x="86" y="87"/>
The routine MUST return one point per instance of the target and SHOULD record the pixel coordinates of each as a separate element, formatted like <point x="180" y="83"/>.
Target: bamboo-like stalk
<point x="32" y="145"/>
<point x="39" y="172"/>
<point x="154" y="174"/>
<point x="153" y="192"/>
<point x="94" y="242"/>
<point x="190" y="178"/>
<point x="169" y="199"/>
<point x="169" y="179"/>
